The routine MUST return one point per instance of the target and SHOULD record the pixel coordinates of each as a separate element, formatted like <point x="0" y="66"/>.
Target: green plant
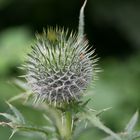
<point x="59" y="70"/>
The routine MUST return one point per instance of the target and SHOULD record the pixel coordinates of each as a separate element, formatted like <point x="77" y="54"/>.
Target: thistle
<point x="61" y="65"/>
<point x="59" y="69"/>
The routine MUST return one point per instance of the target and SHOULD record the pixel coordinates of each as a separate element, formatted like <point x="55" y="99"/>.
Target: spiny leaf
<point x="9" y="117"/>
<point x="109" y="138"/>
<point x="21" y="84"/>
<point x="97" y="123"/>
<point x="47" y="119"/>
<point x="126" y="136"/>
<point x="134" y="135"/>
<point x="129" y="127"/>
<point x="49" y="128"/>
<point x="33" y="135"/>
<point x="85" y="103"/>
<point x="101" y="111"/>
<point x="13" y="132"/>
<point x="29" y="128"/>
<point x="6" y="124"/>
<point x="24" y="96"/>
<point x="17" y="114"/>
<point x="53" y="116"/>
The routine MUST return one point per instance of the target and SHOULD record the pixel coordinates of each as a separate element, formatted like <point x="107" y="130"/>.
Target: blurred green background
<point x="112" y="27"/>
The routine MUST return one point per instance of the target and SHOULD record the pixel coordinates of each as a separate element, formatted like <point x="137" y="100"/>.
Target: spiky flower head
<point x="60" y="66"/>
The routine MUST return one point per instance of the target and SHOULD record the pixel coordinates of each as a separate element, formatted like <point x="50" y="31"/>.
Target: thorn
<point x="14" y="131"/>
<point x="103" y="110"/>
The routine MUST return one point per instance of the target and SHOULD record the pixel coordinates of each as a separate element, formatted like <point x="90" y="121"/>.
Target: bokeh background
<point x="112" y="27"/>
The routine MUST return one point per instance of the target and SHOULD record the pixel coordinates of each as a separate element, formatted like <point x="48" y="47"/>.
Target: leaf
<point x="126" y="136"/>
<point x="15" y="119"/>
<point x="134" y="135"/>
<point x="17" y="114"/>
<point x="9" y="117"/>
<point x="13" y="132"/>
<point x="97" y="123"/>
<point x="17" y="97"/>
<point x="109" y="138"/>
<point x="85" y="103"/>
<point x="48" y="119"/>
<point x="31" y="128"/>
<point x="32" y="135"/>
<point x="102" y="111"/>
<point x="49" y="128"/>
<point x="24" y="86"/>
<point x="129" y="127"/>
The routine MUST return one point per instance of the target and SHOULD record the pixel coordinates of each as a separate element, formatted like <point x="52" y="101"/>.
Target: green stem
<point x="66" y="126"/>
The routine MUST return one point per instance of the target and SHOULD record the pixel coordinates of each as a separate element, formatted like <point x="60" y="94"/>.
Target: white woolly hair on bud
<point x="61" y="65"/>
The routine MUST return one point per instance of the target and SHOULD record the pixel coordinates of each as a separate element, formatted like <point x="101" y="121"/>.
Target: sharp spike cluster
<point x="59" y="69"/>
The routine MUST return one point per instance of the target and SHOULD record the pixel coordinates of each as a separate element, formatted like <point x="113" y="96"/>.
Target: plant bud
<point x="59" y="67"/>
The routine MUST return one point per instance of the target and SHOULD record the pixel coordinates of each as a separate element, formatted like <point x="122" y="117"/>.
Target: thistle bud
<point x="60" y="66"/>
